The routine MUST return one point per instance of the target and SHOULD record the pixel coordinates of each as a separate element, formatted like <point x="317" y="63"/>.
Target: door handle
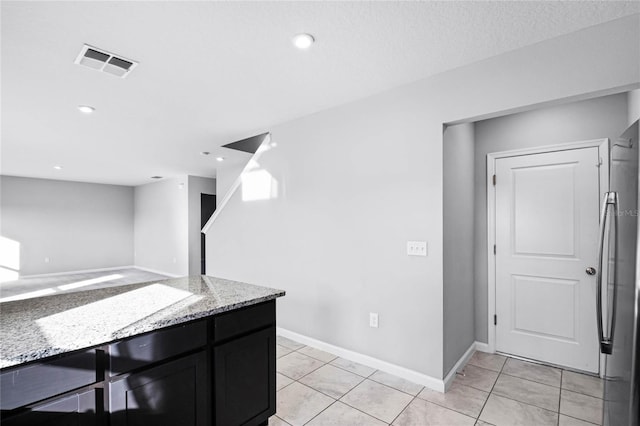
<point x="590" y="270"/>
<point x="606" y="342"/>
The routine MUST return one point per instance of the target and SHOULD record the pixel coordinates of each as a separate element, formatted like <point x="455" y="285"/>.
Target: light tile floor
<point x="317" y="388"/>
<point x="25" y="288"/>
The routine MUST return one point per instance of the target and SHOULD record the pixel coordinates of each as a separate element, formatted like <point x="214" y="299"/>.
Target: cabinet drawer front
<point x="242" y="321"/>
<point x="36" y="382"/>
<point x="169" y="394"/>
<point x="139" y="351"/>
<point x="77" y="409"/>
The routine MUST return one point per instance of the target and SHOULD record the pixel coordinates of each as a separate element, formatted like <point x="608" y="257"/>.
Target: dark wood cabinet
<point x="78" y="409"/>
<point x="171" y="394"/>
<point x="23" y="386"/>
<point x="244" y="379"/>
<point x="219" y="370"/>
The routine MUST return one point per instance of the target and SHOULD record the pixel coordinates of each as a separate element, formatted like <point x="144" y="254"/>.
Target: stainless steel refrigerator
<point x="618" y="301"/>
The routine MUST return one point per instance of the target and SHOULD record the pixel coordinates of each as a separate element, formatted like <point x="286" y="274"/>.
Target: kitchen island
<point x="187" y="351"/>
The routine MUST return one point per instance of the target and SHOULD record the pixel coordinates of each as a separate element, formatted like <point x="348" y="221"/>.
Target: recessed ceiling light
<point x="86" y="109"/>
<point x="156" y="177"/>
<point x="274" y="144"/>
<point x="219" y="158"/>
<point x="303" y="41"/>
<point x="205" y="153"/>
<point x="57" y="167"/>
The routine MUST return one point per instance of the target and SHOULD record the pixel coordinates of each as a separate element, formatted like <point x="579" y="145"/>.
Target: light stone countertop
<point x="33" y="329"/>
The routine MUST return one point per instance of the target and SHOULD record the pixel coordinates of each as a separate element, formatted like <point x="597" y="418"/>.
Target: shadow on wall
<point x="9" y="259"/>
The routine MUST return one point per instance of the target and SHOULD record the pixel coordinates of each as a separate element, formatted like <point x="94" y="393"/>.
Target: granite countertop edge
<point x="51" y="351"/>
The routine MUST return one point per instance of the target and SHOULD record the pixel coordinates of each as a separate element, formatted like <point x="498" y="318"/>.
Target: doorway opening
<point x="469" y="286"/>
<point x="207" y="207"/>
<point x="543" y="219"/>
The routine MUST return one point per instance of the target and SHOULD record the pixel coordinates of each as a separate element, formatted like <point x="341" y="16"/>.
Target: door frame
<point x="603" y="180"/>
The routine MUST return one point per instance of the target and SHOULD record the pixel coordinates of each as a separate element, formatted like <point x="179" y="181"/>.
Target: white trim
<point x="483" y="347"/>
<point x="491" y="260"/>
<point x="264" y="146"/>
<point x="603" y="153"/>
<point x="405" y="373"/>
<point x="459" y="366"/>
<point x="82" y="271"/>
<point x="598" y="143"/>
<point x="155" y="271"/>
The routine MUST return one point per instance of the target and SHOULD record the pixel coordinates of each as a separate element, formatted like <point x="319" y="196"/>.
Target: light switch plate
<point x="373" y="319"/>
<point x="416" y="248"/>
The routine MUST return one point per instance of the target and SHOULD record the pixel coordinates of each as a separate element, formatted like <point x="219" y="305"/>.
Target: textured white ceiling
<point x="214" y="72"/>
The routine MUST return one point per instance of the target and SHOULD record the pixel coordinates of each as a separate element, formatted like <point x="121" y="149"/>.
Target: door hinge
<point x="494" y="249"/>
<point x="494" y="180"/>
<point x="495" y="320"/>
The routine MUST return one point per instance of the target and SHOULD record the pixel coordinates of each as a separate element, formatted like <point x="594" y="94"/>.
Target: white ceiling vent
<point x="104" y="61"/>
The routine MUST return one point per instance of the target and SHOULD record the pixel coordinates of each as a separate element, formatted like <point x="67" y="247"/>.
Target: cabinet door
<point x="170" y="394"/>
<point x="245" y="379"/>
<point x="71" y="410"/>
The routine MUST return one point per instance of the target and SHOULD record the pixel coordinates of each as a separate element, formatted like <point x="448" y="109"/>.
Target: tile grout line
<point x="531" y="405"/>
<point x="582" y="394"/>
<point x="363" y="412"/>
<point x="287" y="385"/>
<point x="324" y="393"/>
<point x="535" y="381"/>
<point x="454" y="410"/>
<point x="281" y="419"/>
<point x="348" y="371"/>
<point x="331" y="362"/>
<point x="491" y="391"/>
<point x="582" y="420"/>
<point x="399" y="390"/>
<point x="525" y="403"/>
<point x="321" y="411"/>
<point x="414" y="397"/>
<point x="403" y="410"/>
<point x="369" y="414"/>
<point x="383" y="384"/>
<point x="560" y="394"/>
<point x="305" y="375"/>
<point x="339" y="399"/>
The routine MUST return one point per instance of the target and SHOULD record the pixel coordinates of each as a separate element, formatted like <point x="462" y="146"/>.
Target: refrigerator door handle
<point x="606" y="342"/>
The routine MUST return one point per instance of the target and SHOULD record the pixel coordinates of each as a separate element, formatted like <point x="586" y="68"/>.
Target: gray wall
<point x="458" y="198"/>
<point x="359" y="180"/>
<point x="196" y="186"/>
<point x="604" y="117"/>
<point x="634" y="106"/>
<point x="161" y="226"/>
<point x="76" y="225"/>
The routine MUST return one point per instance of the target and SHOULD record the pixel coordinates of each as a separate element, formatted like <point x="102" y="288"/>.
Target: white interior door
<point x="547" y="208"/>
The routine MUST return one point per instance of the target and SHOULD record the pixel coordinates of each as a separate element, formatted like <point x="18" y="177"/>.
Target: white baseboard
<point x="155" y="271"/>
<point x="82" y="271"/>
<point x="483" y="347"/>
<point x="378" y="364"/>
<point x="459" y="365"/>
